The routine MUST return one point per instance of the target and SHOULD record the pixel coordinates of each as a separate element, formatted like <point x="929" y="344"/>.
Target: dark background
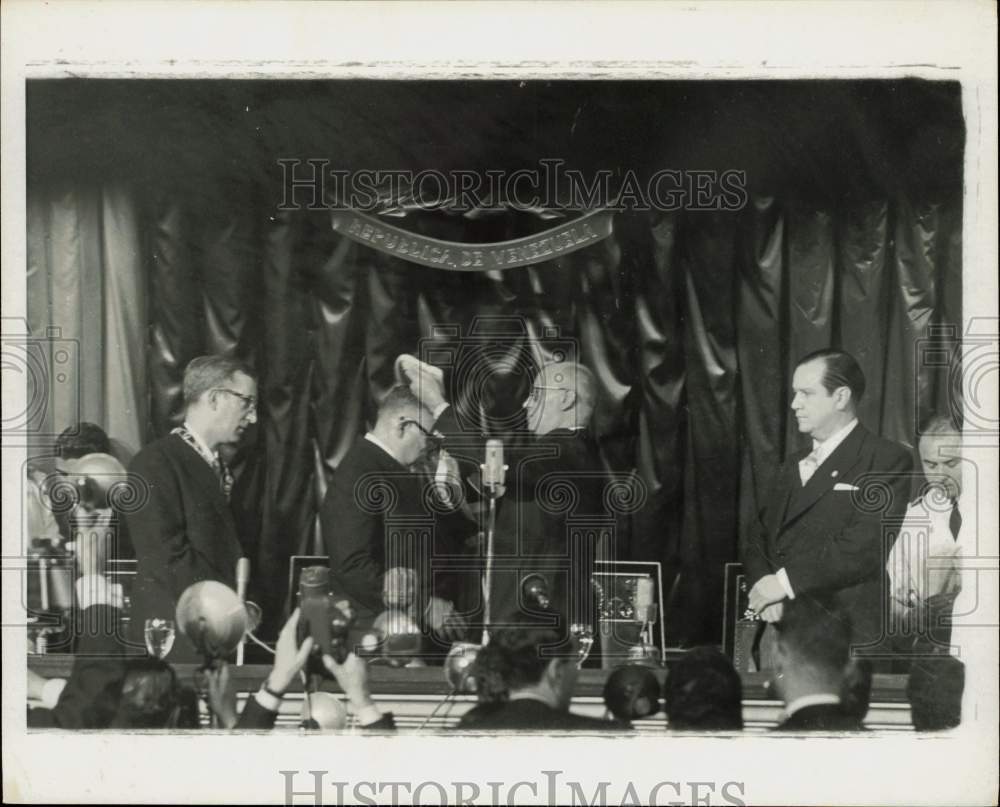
<point x="154" y="236"/>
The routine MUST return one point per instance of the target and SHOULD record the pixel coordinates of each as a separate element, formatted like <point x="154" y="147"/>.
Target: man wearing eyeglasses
<point x="376" y="509"/>
<point x="185" y="531"/>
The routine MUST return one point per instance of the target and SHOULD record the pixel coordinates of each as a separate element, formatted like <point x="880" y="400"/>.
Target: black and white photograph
<point x="507" y="430"/>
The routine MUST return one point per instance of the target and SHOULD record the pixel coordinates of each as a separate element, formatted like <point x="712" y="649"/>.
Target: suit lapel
<point x="833" y="470"/>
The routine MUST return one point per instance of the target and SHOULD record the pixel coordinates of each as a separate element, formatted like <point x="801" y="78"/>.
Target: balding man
<point x="559" y="475"/>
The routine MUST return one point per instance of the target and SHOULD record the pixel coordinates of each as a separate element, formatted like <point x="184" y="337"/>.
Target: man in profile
<point x="558" y="474"/>
<point x="185" y="531"/>
<point x="821" y="532"/>
<point x="374" y="487"/>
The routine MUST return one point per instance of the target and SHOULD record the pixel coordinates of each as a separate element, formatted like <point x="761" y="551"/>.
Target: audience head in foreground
<point x="935" y="692"/>
<point x="703" y="692"/>
<point x="530" y="661"/>
<point x="813" y="652"/>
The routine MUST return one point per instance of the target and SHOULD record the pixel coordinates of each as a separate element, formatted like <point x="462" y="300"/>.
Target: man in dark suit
<point x="539" y="679"/>
<point x="813" y="652"/>
<point x="554" y="482"/>
<point x="821" y="532"/>
<point x="185" y="532"/>
<point x="378" y="515"/>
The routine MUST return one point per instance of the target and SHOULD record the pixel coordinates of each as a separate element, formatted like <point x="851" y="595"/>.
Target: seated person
<point x="812" y="655"/>
<point x="934" y="690"/>
<point x="538" y="683"/>
<point x="631" y="692"/>
<point x="703" y="692"/>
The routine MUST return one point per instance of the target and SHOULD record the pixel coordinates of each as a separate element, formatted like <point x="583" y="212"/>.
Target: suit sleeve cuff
<point x="267" y="701"/>
<point x="786" y="584"/>
<point x="440" y="410"/>
<point x="369" y="714"/>
<point x="51" y="692"/>
<point x="94" y="589"/>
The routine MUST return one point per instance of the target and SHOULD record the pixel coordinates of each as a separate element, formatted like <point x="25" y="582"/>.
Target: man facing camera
<point x="821" y="531"/>
<point x="378" y="515"/>
<point x="185" y="531"/>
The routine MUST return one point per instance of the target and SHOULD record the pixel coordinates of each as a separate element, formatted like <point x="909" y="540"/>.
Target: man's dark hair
<point x="815" y="633"/>
<point x="151" y="698"/>
<point x="82" y="439"/>
<point x="841" y="370"/>
<point x="936" y="423"/>
<point x="703" y="692"/>
<point x="518" y="654"/>
<point x="935" y="693"/>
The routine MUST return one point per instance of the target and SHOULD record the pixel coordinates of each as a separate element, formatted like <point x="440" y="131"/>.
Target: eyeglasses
<point x="535" y="393"/>
<point x="436" y="436"/>
<point x="248" y="401"/>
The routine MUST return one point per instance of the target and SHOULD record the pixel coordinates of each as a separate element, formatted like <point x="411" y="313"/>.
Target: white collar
<point x="824" y="448"/>
<point x="371" y="438"/>
<point x="810" y="700"/>
<point x="201" y="442"/>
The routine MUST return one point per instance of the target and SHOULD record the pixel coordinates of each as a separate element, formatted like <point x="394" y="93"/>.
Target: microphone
<point x="645" y="607"/>
<point x="242" y="578"/>
<point x="535" y="592"/>
<point x="493" y="467"/>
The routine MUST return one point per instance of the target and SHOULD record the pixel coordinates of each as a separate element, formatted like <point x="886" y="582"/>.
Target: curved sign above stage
<point x="458" y="256"/>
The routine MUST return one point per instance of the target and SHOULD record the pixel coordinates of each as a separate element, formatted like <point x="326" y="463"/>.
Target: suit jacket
<point x="529" y="714"/>
<point x="545" y="522"/>
<point x="821" y="717"/>
<point x="375" y="517"/>
<point x="90" y="698"/>
<point x="183" y="533"/>
<point x="830" y="541"/>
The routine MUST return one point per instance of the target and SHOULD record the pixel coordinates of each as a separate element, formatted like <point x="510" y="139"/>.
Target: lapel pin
<point x="835" y="474"/>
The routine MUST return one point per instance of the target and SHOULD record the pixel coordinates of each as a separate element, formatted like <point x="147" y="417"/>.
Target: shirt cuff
<point x="782" y="576"/>
<point x="94" y="589"/>
<point x="369" y="714"/>
<point x="267" y="701"/>
<point x="439" y="410"/>
<point x="51" y="692"/>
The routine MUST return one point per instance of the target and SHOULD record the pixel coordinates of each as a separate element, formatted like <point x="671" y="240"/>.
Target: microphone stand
<point x="491" y="518"/>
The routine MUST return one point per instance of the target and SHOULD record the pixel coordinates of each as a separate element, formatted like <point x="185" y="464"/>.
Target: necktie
<point x="808" y="465"/>
<point x="955" y="520"/>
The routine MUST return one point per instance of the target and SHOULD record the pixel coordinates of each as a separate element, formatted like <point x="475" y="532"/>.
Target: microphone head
<point x="458" y="667"/>
<point x="493" y="467"/>
<point x="399" y="587"/>
<point x="535" y="592"/>
<point x="325" y="711"/>
<point x="212" y="617"/>
<point x="632" y="692"/>
<point x="400" y="636"/>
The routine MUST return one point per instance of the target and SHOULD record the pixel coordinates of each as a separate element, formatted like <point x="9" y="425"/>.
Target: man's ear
<point x="843" y="395"/>
<point x="568" y="399"/>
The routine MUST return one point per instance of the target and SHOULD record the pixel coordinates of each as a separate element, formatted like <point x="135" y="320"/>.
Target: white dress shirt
<point x="924" y="559"/>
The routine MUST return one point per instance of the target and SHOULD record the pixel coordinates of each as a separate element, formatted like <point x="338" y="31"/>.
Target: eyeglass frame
<point x="249" y="401"/>
<point x="430" y="435"/>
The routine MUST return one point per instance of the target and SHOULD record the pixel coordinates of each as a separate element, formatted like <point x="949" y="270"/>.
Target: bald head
<point x="562" y="397"/>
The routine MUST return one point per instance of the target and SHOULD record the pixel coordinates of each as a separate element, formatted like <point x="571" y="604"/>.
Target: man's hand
<point x="426" y="386"/>
<point x="222" y="694"/>
<point x="773" y="613"/>
<point x="352" y="676"/>
<point x="444" y="621"/>
<point x="289" y="656"/>
<point x="767" y="591"/>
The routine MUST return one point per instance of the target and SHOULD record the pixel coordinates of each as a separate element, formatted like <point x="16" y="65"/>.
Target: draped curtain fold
<point x="690" y="320"/>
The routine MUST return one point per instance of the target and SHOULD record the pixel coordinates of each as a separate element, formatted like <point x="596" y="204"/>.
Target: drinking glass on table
<point x="159" y="636"/>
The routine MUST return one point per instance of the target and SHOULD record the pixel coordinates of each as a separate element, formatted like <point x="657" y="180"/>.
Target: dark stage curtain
<point x="691" y="321"/>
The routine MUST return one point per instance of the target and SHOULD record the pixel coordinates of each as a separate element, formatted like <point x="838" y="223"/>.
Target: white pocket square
<point x="845" y="486"/>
